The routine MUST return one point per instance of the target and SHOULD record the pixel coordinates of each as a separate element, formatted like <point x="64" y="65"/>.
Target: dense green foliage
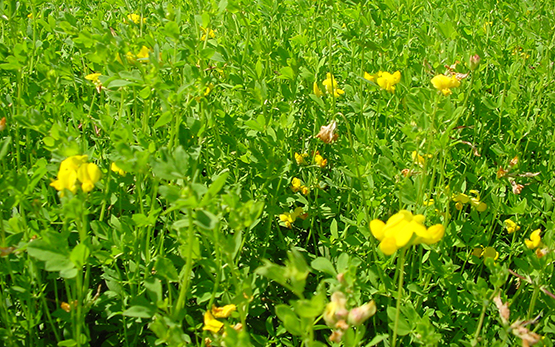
<point x="210" y="110"/>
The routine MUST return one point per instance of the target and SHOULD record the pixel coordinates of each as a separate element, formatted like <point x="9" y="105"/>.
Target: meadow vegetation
<point x="277" y="173"/>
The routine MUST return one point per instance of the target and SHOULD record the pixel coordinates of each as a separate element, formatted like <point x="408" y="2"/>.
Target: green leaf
<point x="164" y="119"/>
<point x="164" y="267"/>
<point x="139" y="311"/>
<point x="290" y="320"/>
<point x="403" y="327"/>
<point x="206" y="220"/>
<point x="324" y="265"/>
<point x="287" y="73"/>
<point x="215" y="187"/>
<point x="80" y="254"/>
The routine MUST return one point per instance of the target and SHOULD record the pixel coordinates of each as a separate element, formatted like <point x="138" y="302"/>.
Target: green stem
<point x="400" y="269"/>
<point x="481" y="321"/>
<point x="188" y="267"/>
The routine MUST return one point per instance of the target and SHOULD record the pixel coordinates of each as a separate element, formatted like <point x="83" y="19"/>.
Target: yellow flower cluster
<point x="135" y="18"/>
<point x="399" y="230"/>
<point x="93" y="77"/>
<point x="445" y="83"/>
<point x="207" y="32"/>
<point x="461" y="199"/>
<point x="385" y="80"/>
<point x="511" y="226"/>
<point x="142" y="56"/>
<point x="419" y="159"/>
<point x="296" y="186"/>
<point x="210" y="321"/>
<point x="301" y="158"/>
<point x="76" y="169"/>
<point x="289" y="218"/>
<point x="320" y="161"/>
<point x="330" y="87"/>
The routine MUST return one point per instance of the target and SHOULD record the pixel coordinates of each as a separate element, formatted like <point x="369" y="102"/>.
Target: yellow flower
<point x="462" y="198"/>
<point x="490" y="252"/>
<point x="208" y="89"/>
<point x="476" y="203"/>
<point x="223" y="312"/>
<point x="511" y="226"/>
<point x="327" y="132"/>
<point x="289" y="218"/>
<point x="359" y="315"/>
<point x="93" y="77"/>
<point x="388" y="81"/>
<point x="535" y="239"/>
<point x="296" y="184"/>
<point x="300" y="158"/>
<point x="419" y="159"/>
<point x="433" y="235"/>
<point x="369" y="77"/>
<point x="330" y="87"/>
<point x="444" y="83"/>
<point x="480" y="206"/>
<point x="115" y="168"/>
<point x="134" y="17"/>
<point x="73" y="169"/>
<point x="207" y="32"/>
<point x="399" y="229"/>
<point x="88" y="174"/>
<point x="143" y="54"/>
<point x="211" y="323"/>
<point x="317" y="90"/>
<point x="320" y="161"/>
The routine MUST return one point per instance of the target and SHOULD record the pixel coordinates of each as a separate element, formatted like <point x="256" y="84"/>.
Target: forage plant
<point x="277" y="173"/>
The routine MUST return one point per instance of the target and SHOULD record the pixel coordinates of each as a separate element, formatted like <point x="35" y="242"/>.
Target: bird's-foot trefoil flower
<point x="385" y="80"/>
<point x="445" y="83"/>
<point x="210" y="321"/>
<point x="93" y="77"/>
<point x="76" y="170"/>
<point x="535" y="239"/>
<point x="404" y="228"/>
<point x="462" y="199"/>
<point x="320" y="161"/>
<point x="511" y="226"/>
<point x="301" y="158"/>
<point x="330" y="87"/>
<point x="135" y="18"/>
<point x="289" y="218"/>
<point x="115" y="168"/>
<point x="297" y="185"/>
<point x="207" y="33"/>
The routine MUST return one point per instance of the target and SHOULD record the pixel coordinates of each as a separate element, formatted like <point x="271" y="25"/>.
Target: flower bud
<point x="474" y="62"/>
<point x="359" y="315"/>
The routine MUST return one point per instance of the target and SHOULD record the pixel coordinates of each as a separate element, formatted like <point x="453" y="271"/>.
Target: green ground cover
<point x="277" y="173"/>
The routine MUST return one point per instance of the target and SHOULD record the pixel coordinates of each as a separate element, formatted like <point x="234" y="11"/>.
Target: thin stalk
<point x="180" y="304"/>
<point x="400" y="270"/>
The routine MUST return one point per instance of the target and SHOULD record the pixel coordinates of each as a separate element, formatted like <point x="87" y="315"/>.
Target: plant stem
<point x="400" y="270"/>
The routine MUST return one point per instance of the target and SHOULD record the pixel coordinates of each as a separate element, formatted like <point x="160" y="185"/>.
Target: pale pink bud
<point x="359" y="315"/>
<point x="474" y="62"/>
